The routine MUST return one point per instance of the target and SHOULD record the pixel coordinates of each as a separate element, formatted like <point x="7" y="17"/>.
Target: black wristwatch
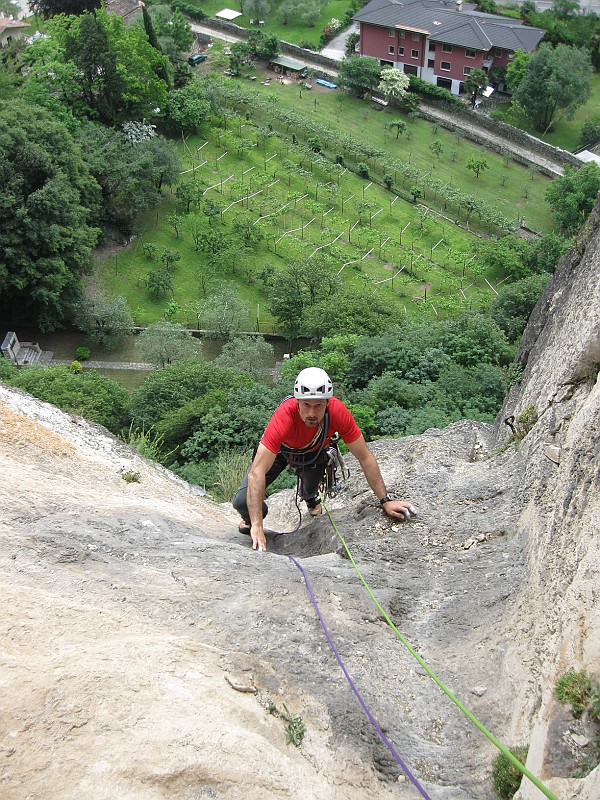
<point x="386" y="499"/>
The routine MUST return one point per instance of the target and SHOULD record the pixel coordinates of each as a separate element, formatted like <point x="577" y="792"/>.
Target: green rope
<point x="515" y="761"/>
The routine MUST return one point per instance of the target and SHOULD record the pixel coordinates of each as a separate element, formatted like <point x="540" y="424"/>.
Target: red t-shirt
<point x="286" y="427"/>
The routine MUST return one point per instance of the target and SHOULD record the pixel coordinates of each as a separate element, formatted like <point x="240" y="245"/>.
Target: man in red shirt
<point x="297" y="435"/>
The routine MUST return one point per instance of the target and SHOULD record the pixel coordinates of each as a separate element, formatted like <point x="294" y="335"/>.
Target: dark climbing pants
<point x="310" y="478"/>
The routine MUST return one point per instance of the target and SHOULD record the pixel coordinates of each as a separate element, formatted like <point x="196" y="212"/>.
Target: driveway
<point x="337" y="46"/>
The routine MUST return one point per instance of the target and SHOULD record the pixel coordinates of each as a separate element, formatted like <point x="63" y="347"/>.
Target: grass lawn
<point x="420" y="261"/>
<point x="566" y="132"/>
<point x="296" y="33"/>
<point x="508" y="185"/>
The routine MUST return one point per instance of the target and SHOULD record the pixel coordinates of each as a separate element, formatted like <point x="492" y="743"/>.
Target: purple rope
<point x="372" y="719"/>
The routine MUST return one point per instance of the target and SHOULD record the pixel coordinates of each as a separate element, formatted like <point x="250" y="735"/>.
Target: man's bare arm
<point x="395" y="508"/>
<point x="263" y="461"/>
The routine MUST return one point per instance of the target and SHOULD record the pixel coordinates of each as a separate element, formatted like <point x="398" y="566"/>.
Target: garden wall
<point x="286" y="47"/>
<point x="515" y="135"/>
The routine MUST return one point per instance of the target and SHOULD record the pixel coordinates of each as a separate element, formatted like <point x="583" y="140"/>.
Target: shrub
<point x="131" y="477"/>
<point x="82" y="353"/>
<point x="420" y="86"/>
<point x="188" y="8"/>
<point x="231" y="466"/>
<point x="506" y="777"/>
<point x="574" y="689"/>
<point x="76" y="367"/>
<point x="362" y="170"/>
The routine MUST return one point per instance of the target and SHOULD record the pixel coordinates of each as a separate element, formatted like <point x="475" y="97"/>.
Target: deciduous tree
<point x="359" y="74"/>
<point x="164" y="343"/>
<point x="106" y="323"/>
<point x="47" y="203"/>
<point x="572" y="196"/>
<point x="393" y="84"/>
<point x="556" y="80"/>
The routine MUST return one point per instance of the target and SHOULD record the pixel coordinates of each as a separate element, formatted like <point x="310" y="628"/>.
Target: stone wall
<point x="515" y="135"/>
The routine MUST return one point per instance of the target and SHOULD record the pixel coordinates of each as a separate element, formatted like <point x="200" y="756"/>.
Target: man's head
<point x="312" y="390"/>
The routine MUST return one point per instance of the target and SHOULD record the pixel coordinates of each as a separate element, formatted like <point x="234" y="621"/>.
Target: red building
<point x="441" y="42"/>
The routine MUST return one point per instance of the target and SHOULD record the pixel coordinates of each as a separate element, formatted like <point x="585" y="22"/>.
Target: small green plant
<point x="294" y="727"/>
<point x="131" y="477"/>
<point x="520" y="427"/>
<point x="574" y="689"/>
<point x="147" y="444"/>
<point x="231" y="466"/>
<point x="506" y="777"/>
<point x="82" y="353"/>
<point x="526" y="421"/>
<point x="294" y="724"/>
<point x="76" y="367"/>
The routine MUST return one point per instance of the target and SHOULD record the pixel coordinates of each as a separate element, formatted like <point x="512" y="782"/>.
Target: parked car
<point x="196" y="59"/>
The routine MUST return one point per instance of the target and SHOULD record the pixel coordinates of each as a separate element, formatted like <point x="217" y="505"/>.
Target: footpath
<point x="335" y="50"/>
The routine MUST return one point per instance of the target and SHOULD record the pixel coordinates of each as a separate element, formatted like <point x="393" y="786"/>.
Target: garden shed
<point x="288" y="66"/>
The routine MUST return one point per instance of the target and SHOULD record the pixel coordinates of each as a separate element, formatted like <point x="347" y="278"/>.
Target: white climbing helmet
<point x="313" y="383"/>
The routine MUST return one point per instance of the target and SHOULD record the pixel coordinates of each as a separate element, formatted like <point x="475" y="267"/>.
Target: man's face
<point x="312" y="411"/>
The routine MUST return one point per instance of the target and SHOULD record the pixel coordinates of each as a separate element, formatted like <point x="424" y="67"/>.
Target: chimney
<point x="459" y="5"/>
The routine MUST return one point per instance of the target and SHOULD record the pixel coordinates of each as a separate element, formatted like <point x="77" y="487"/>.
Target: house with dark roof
<point x="441" y="41"/>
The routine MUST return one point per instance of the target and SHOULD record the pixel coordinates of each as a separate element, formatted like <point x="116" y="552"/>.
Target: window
<point x="432" y="47"/>
<point x="498" y="53"/>
<point x="416" y="37"/>
<point x="400" y="51"/>
<point x="470" y="53"/>
<point x="414" y="53"/>
<point x="431" y="63"/>
<point x="391" y="50"/>
<point x="467" y="70"/>
<point x="446" y="66"/>
<point x="446" y="48"/>
<point x="401" y="34"/>
<point x="392" y="33"/>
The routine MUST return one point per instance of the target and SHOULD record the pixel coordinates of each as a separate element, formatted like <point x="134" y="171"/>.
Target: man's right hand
<point x="259" y="540"/>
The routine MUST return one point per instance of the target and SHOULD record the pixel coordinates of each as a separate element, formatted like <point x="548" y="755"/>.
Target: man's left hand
<point x="400" y="509"/>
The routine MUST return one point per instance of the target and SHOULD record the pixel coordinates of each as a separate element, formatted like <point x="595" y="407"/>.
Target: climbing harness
<point x="334" y="482"/>
<point x="504" y="750"/>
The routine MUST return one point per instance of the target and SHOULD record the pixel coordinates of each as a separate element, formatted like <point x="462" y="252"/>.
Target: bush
<point x="506" y="777"/>
<point x="574" y="689"/>
<point x="82" y="353"/>
<point x="76" y="367"/>
<point x="420" y="86"/>
<point x="90" y="394"/>
<point x="188" y="8"/>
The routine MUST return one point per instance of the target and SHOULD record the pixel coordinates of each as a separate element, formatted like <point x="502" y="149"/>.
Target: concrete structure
<point x="441" y="42"/>
<point x="23" y="353"/>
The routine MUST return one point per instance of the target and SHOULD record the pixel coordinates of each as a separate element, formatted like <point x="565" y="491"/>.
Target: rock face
<point x="144" y="645"/>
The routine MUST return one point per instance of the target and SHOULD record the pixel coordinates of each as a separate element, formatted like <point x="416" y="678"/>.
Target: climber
<point x="296" y="436"/>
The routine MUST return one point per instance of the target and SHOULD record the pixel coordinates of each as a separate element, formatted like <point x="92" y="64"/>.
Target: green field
<point x="296" y="33"/>
<point x="430" y="251"/>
